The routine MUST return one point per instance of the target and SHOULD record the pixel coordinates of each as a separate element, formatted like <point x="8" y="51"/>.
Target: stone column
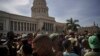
<point x="54" y="27"/>
<point x="23" y="25"/>
<point x="6" y="26"/>
<point x="35" y="27"/>
<point x="20" y="26"/>
<point x="32" y="27"/>
<point x="26" y="26"/>
<point x="17" y="26"/>
<point x="13" y="26"/>
<point x="47" y="26"/>
<point x="29" y="27"/>
<point x="50" y="27"/>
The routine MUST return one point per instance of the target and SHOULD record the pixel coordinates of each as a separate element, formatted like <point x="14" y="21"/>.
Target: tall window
<point x="35" y="27"/>
<point x="25" y="26"/>
<point x="32" y="27"/>
<point x="15" y="26"/>
<point x="1" y="26"/>
<point x="18" y="26"/>
<point x="11" y="25"/>
<point x="46" y="26"/>
<point x="21" y="26"/>
<point x="51" y="27"/>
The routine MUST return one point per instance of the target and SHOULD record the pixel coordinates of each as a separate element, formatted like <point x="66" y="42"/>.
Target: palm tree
<point x="71" y="24"/>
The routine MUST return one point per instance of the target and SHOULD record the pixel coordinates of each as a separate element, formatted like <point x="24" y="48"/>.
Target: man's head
<point x="85" y="43"/>
<point x="56" y="39"/>
<point x="30" y="35"/>
<point x="42" y="44"/>
<point x="10" y="35"/>
<point x="67" y="45"/>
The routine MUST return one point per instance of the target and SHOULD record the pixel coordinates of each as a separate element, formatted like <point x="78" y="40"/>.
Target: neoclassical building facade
<point x="39" y="19"/>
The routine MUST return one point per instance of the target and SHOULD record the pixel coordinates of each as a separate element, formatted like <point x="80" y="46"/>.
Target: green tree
<point x="72" y="24"/>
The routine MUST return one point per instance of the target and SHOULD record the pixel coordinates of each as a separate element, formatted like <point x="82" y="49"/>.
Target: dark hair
<point x="43" y="41"/>
<point x="10" y="35"/>
<point x="30" y="35"/>
<point x="86" y="31"/>
<point x="40" y="38"/>
<point x="54" y="38"/>
<point x="66" y="44"/>
<point x="27" y="49"/>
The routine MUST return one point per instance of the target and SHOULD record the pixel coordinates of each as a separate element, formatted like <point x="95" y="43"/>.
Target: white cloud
<point x="10" y="10"/>
<point x="20" y="2"/>
<point x="12" y="5"/>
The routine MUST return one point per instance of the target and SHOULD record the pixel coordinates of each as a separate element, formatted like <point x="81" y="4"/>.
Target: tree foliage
<point x="72" y="24"/>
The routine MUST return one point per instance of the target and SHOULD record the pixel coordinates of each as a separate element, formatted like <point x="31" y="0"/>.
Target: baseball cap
<point x="94" y="42"/>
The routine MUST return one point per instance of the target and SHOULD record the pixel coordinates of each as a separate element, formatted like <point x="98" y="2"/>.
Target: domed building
<point x="39" y="19"/>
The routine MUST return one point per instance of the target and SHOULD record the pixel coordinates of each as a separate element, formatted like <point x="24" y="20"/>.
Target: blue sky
<point x="86" y="11"/>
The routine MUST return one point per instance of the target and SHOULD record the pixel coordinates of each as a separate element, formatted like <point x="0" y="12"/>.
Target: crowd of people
<point x="70" y="44"/>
